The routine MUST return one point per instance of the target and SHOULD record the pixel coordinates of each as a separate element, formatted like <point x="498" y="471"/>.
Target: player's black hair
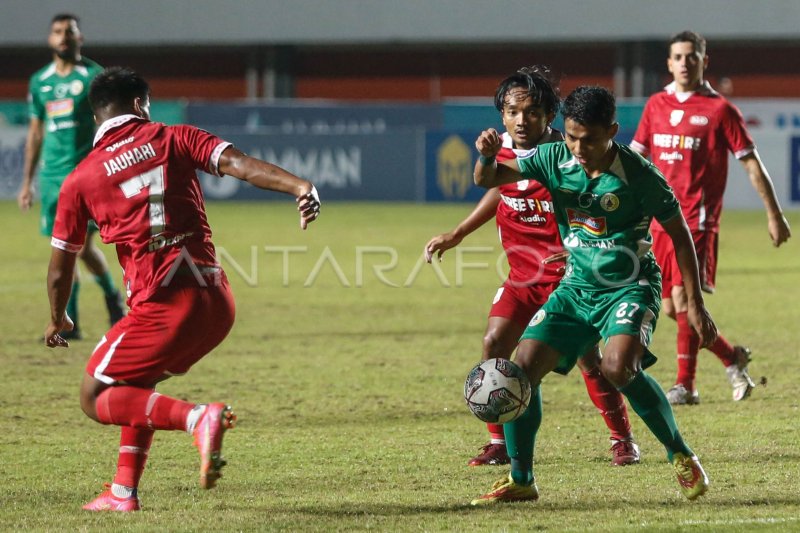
<point x="688" y="36"/>
<point x="537" y="81"/>
<point x="65" y="16"/>
<point x="590" y="106"/>
<point x="117" y="86"/>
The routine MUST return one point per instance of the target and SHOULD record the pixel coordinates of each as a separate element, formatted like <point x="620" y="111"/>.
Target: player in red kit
<point x="140" y="186"/>
<point x="528" y="103"/>
<point x="687" y="130"/>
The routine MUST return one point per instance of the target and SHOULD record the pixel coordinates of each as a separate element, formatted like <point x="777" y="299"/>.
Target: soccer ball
<point x="497" y="391"/>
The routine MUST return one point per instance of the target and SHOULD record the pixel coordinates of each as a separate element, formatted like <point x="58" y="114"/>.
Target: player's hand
<point x="439" y="244"/>
<point x="52" y="337"/>
<point x="489" y="143"/>
<point x="309" y="206"/>
<point x="700" y="320"/>
<point x="25" y="198"/>
<point x="779" y="230"/>
<point x="557" y="258"/>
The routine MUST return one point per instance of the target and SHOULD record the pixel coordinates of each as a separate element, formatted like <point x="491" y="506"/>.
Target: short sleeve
<point x="641" y="139"/>
<point x="656" y="196"/>
<point x="72" y="217"/>
<point x="735" y="132"/>
<point x="534" y="164"/>
<point x="200" y="146"/>
<point x="35" y="107"/>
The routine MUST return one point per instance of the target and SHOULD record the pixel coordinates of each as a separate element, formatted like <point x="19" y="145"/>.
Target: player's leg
<point x="552" y="332"/>
<point x="508" y="318"/>
<point x="536" y="359"/>
<point x="734" y="358"/>
<point x="96" y="262"/>
<point x="684" y="392"/>
<point x="674" y="305"/>
<point x="622" y="365"/>
<point x="499" y="341"/>
<point x="611" y="405"/>
<point x="125" y="367"/>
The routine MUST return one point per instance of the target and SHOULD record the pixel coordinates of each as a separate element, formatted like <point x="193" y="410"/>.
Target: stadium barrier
<point x="402" y="152"/>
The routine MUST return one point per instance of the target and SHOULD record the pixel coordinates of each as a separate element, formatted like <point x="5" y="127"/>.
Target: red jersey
<point x="140" y="186"/>
<point x="526" y="222"/>
<point x="689" y="140"/>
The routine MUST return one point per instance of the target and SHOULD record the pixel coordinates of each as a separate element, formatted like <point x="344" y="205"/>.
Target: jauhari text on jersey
<point x="129" y="158"/>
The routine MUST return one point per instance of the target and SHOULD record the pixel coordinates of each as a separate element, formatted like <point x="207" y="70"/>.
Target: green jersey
<point x="604" y="221"/>
<point x="62" y="104"/>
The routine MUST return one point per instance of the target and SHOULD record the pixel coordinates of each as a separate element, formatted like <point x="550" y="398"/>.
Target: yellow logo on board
<point x="454" y="167"/>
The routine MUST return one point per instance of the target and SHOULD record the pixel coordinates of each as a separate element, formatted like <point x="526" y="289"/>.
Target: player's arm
<point x="685" y="255"/>
<point x="272" y="177"/>
<point x="483" y="213"/>
<point x="59" y="286"/>
<point x="777" y="224"/>
<point x="33" y="149"/>
<point x="488" y="173"/>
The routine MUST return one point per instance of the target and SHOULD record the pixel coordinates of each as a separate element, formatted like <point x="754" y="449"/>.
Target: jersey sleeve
<point x="641" y="139"/>
<point x="201" y="147"/>
<point x="72" y="217"/>
<point x="735" y="132"/>
<point x="35" y="106"/>
<point x="534" y="165"/>
<point x="656" y="196"/>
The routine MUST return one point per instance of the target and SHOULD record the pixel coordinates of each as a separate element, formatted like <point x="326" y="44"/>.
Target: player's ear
<point x="613" y="130"/>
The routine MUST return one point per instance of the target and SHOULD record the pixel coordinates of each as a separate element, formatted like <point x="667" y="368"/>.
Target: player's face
<point x="686" y="65"/>
<point x="65" y="39"/>
<point x="591" y="145"/>
<point x="524" y="121"/>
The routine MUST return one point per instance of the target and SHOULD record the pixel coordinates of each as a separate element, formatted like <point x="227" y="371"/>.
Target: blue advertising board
<point x="343" y="167"/>
<point x="301" y="118"/>
<point x="794" y="150"/>
<point x="449" y="161"/>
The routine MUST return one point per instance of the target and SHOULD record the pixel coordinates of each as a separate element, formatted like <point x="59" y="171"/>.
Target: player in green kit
<point x="60" y="134"/>
<point x="605" y="196"/>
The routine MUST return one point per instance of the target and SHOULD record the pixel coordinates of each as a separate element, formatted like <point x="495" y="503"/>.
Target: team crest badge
<point x="522" y="185"/>
<point x="537" y="318"/>
<point x="76" y="87"/>
<point x="675" y="117"/>
<point x="609" y="201"/>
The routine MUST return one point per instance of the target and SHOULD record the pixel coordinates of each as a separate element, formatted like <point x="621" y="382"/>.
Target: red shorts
<point x="705" y="245"/>
<point x="520" y="303"/>
<point x="165" y="335"/>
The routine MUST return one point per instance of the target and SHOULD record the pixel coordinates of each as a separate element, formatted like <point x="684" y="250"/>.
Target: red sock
<point x="723" y="350"/>
<point x="134" y="444"/>
<point x="688" y="346"/>
<point x="496" y="432"/>
<point x="609" y="402"/>
<point x="141" y="408"/>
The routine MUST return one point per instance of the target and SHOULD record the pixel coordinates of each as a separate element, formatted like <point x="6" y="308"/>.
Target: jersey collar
<point x="703" y="89"/>
<point x="111" y="123"/>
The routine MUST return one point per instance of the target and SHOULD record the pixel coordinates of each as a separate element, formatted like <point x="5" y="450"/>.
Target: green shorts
<point x="573" y="320"/>
<point x="50" y="187"/>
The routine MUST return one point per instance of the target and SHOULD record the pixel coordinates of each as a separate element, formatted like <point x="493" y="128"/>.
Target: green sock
<point x="72" y="303"/>
<point x="521" y="438"/>
<point x="650" y="403"/>
<point x="106" y="283"/>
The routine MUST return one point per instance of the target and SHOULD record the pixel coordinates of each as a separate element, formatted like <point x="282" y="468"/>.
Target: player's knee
<point x="616" y="371"/>
<point x="494" y="345"/>
<point x="590" y="360"/>
<point x="88" y="405"/>
<point x="668" y="308"/>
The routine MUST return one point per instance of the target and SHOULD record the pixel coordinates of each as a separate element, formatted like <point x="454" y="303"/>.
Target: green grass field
<point x="348" y="390"/>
